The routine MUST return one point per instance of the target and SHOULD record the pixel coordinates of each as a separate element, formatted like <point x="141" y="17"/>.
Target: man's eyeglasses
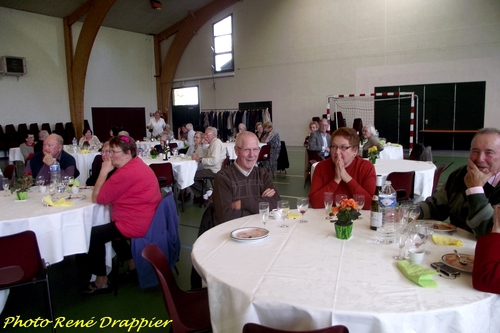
<point x="248" y="150"/>
<point x="107" y="151"/>
<point x="343" y="148"/>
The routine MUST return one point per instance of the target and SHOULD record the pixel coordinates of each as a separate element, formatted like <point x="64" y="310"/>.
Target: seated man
<point x="239" y="188"/>
<point x="486" y="271"/>
<point x="52" y="149"/>
<point x="27" y="148"/>
<point x="39" y="144"/>
<point x="319" y="140"/>
<point x="471" y="190"/>
<point x="211" y="163"/>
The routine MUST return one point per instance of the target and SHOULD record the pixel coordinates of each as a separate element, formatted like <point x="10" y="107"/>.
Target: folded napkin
<point x="293" y="215"/>
<point x="418" y="274"/>
<point x="59" y="203"/>
<point x="442" y="240"/>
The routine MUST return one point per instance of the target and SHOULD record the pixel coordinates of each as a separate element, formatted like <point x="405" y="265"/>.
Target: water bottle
<point x="55" y="172"/>
<point x="74" y="145"/>
<point x="387" y="198"/>
<point x="375" y="214"/>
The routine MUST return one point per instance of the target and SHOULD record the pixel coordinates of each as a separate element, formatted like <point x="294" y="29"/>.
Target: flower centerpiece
<point x="21" y="186"/>
<point x="85" y="147"/>
<point x="346" y="211"/>
<point x="153" y="152"/>
<point x="373" y="154"/>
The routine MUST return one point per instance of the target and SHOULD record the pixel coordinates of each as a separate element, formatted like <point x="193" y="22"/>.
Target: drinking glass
<point x="40" y="180"/>
<point x="401" y="237"/>
<point x="413" y="213"/>
<point x="339" y="197"/>
<point x="360" y="200"/>
<point x="65" y="182"/>
<point x="416" y="234"/>
<point x="328" y="201"/>
<point x="283" y="208"/>
<point x="71" y="182"/>
<point x="6" y="186"/>
<point x="429" y="231"/>
<point x="264" y="212"/>
<point x="302" y="206"/>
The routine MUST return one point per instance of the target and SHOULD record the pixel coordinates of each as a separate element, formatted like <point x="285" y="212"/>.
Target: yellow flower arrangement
<point x="373" y="154"/>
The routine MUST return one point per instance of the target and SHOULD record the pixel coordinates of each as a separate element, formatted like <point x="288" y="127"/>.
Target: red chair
<point x="256" y="328"/>
<point x="21" y="265"/>
<point x="9" y="171"/>
<point x="165" y="175"/>
<point x="403" y="183"/>
<point x="437" y="174"/>
<point x="312" y="157"/>
<point x="188" y="310"/>
<point x="264" y="154"/>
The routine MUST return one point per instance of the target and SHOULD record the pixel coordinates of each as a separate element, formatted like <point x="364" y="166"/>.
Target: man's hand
<point x="195" y="157"/>
<point x="268" y="192"/>
<point x="475" y="177"/>
<point x="48" y="159"/>
<point x="236" y="204"/>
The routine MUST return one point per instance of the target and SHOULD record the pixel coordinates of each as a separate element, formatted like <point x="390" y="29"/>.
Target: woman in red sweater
<point x="344" y="172"/>
<point x="486" y="271"/>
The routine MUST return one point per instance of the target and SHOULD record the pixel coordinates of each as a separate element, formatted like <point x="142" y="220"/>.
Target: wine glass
<point x="417" y="234"/>
<point x="71" y="182"/>
<point x="401" y="237"/>
<point x="302" y="206"/>
<point x="40" y="180"/>
<point x="6" y="186"/>
<point x="413" y="213"/>
<point x="429" y="231"/>
<point x="328" y="201"/>
<point x="360" y="200"/>
<point x="264" y="212"/>
<point x="339" y="197"/>
<point x="283" y="208"/>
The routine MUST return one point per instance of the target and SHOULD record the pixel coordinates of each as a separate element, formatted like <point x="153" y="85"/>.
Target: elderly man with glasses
<point x="345" y="172"/>
<point x="319" y="140"/>
<point x="240" y="188"/>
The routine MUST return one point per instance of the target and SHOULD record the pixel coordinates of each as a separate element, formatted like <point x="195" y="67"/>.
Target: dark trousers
<point x="99" y="236"/>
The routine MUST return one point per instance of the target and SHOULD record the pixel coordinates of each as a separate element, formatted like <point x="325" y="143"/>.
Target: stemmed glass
<point x="328" y="201"/>
<point x="302" y="206"/>
<point x="65" y="182"/>
<point x="264" y="212"/>
<point x="417" y="234"/>
<point x="6" y="186"/>
<point x="40" y="180"/>
<point x="339" y="197"/>
<point x="71" y="182"/>
<point x="401" y="237"/>
<point x="413" y="213"/>
<point x="360" y="200"/>
<point x="428" y="232"/>
<point x="283" y="208"/>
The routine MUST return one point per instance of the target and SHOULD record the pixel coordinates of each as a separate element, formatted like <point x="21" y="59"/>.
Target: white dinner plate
<point x="249" y="233"/>
<point x="76" y="197"/>
<point x="444" y="228"/>
<point x="451" y="260"/>
<point x="86" y="188"/>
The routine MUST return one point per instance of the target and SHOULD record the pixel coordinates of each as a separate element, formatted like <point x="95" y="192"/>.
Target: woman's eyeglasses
<point x="343" y="148"/>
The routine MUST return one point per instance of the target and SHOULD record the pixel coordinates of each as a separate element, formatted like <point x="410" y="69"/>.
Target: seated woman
<point x="272" y="138"/>
<point x="28" y="147"/>
<point x="344" y="172"/>
<point x="486" y="270"/>
<point x="133" y="188"/>
<point x="182" y="133"/>
<point x="91" y="139"/>
<point x="313" y="126"/>
<point x="97" y="163"/>
<point x="259" y="130"/>
<point x="197" y="148"/>
<point x="167" y="132"/>
<point x="370" y="134"/>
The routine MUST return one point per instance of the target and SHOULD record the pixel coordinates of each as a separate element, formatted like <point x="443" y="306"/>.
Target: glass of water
<point x="283" y="208"/>
<point x="264" y="212"/>
<point x="6" y="186"/>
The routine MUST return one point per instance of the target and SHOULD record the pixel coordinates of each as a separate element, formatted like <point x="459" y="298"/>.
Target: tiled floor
<point x="133" y="302"/>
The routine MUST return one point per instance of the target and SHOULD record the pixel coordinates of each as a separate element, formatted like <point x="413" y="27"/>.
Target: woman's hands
<point x="340" y="171"/>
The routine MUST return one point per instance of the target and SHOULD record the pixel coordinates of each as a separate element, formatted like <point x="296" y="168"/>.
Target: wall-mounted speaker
<point x="12" y="65"/>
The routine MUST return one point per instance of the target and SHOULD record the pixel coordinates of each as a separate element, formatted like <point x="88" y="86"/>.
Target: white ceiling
<point x="129" y="15"/>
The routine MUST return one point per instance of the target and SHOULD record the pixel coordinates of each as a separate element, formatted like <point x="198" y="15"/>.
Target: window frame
<point x="216" y="54"/>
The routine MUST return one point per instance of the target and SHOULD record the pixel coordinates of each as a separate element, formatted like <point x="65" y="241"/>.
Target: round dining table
<point x="184" y="168"/>
<point x="392" y="151"/>
<point x="145" y="145"/>
<point x="302" y="278"/>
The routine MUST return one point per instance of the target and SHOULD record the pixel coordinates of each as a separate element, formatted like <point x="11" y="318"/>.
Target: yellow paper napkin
<point x="418" y="274"/>
<point x="442" y="240"/>
<point x="293" y="215"/>
<point x="59" y="203"/>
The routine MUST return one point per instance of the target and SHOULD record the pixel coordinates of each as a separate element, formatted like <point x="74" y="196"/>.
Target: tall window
<point x="223" y="45"/>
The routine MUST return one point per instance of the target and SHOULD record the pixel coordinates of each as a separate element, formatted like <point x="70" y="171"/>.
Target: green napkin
<point x="418" y="274"/>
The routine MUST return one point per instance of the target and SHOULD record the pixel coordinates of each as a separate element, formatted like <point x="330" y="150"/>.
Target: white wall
<point x="120" y="71"/>
<point x="296" y="52"/>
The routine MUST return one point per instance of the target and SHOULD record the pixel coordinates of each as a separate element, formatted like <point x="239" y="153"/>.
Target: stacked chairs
<point x="46" y="127"/>
<point x="22" y="129"/>
<point x="11" y="134"/>
<point x="4" y="145"/>
<point x="69" y="130"/>
<point x="34" y="129"/>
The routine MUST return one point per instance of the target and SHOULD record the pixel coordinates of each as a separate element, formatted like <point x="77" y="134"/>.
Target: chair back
<point x="358" y="126"/>
<point x="416" y="152"/>
<point x="59" y="129"/>
<point x="172" y="145"/>
<point x="264" y="154"/>
<point x="189" y="311"/>
<point x="69" y="130"/>
<point x="21" y="250"/>
<point x="164" y="173"/>
<point x="437" y="174"/>
<point x="34" y="129"/>
<point x="225" y="163"/>
<point x="403" y="183"/>
<point x="257" y="328"/>
<point x="45" y="127"/>
<point x="11" y="134"/>
<point x="22" y="129"/>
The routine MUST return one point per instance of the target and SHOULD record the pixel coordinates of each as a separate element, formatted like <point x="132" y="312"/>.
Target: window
<point x="223" y="45"/>
<point x="185" y="96"/>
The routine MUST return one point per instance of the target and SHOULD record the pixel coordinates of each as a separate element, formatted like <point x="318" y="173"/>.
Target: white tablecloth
<point x="145" y="145"/>
<point x="230" y="149"/>
<point x="392" y="152"/>
<point x="424" y="174"/>
<point x="60" y="231"/>
<point x="303" y="278"/>
<point x="184" y="169"/>
<point x="15" y="155"/>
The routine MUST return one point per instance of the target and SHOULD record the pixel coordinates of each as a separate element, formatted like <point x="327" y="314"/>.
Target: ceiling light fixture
<point x="155" y="4"/>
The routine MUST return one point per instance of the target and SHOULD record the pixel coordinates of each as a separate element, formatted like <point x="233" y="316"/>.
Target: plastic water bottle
<point x="74" y="144"/>
<point x="55" y="172"/>
<point x="387" y="198"/>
